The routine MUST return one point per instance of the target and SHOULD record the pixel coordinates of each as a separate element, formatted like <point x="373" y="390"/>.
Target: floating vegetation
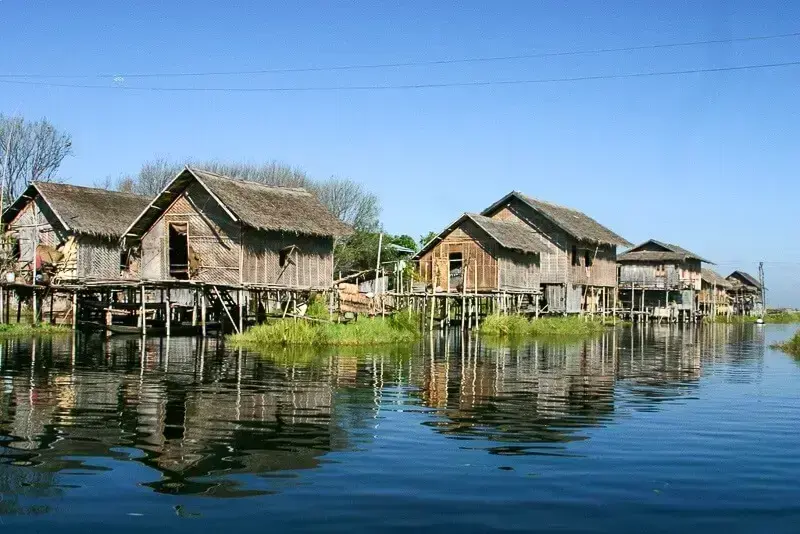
<point x="28" y="329"/>
<point x="782" y="317"/>
<point x="519" y="326"/>
<point x="791" y="347"/>
<point x="401" y="327"/>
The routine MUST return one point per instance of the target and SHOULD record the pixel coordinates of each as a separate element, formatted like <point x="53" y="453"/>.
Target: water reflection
<point x="205" y="419"/>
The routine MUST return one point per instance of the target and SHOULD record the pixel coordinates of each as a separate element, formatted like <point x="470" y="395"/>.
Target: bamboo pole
<point x="241" y="310"/>
<point x="168" y="314"/>
<point x="74" y="310"/>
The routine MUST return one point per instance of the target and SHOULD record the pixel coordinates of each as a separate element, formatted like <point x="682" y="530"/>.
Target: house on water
<point x="660" y="279"/>
<point x="746" y="293"/>
<point x="215" y="230"/>
<point x="67" y="233"/>
<point x="523" y="245"/>
<point x="714" y="297"/>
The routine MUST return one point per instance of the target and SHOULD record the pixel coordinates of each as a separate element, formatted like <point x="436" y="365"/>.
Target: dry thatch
<point x="713" y="278"/>
<point x="83" y="210"/>
<point x="513" y="235"/>
<point x="657" y="251"/>
<point x="576" y="223"/>
<point x="263" y="207"/>
<point x="744" y="278"/>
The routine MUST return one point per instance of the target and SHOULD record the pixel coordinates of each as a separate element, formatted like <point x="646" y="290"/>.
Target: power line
<point x="409" y="86"/>
<point x="449" y="61"/>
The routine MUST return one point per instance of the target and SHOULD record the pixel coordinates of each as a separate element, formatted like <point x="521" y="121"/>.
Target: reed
<point x="791" y="347"/>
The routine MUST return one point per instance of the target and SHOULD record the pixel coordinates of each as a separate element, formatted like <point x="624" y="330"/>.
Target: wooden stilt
<point x="74" y="310"/>
<point x="168" y="314"/>
<point x="203" y="312"/>
<point x="143" y="312"/>
<point x="194" y="309"/>
<point x="241" y="310"/>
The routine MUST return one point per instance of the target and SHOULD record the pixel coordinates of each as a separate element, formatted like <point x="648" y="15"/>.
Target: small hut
<point x="67" y="233"/>
<point x="481" y="254"/>
<point x="714" y="297"/>
<point x="210" y="228"/>
<point x="746" y="293"/>
<point x="656" y="277"/>
<point x="578" y="273"/>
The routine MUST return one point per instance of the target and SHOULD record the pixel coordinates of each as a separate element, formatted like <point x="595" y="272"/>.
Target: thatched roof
<point x="263" y="207"/>
<point x="83" y="210"/>
<point x="744" y="278"/>
<point x="576" y="223"/>
<point x="513" y="235"/>
<point x="657" y="251"/>
<point x="713" y="278"/>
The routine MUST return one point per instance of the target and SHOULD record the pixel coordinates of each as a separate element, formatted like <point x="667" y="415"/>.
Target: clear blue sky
<point x="708" y="161"/>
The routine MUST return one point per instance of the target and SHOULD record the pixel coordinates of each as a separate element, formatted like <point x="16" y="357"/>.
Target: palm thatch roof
<point x="744" y="278"/>
<point x="260" y="206"/>
<point x="83" y="210"/>
<point x="512" y="235"/>
<point x="657" y="251"/>
<point x="576" y="223"/>
<point x="713" y="278"/>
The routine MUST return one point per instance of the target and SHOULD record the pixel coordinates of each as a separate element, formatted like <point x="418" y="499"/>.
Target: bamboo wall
<point x="97" y="259"/>
<point x="215" y="242"/>
<point x="518" y="271"/>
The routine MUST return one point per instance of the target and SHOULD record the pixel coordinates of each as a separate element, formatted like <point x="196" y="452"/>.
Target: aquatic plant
<point x="791" y="346"/>
<point x="398" y="328"/>
<point x="772" y="318"/>
<point x="28" y="329"/>
<point x="519" y="326"/>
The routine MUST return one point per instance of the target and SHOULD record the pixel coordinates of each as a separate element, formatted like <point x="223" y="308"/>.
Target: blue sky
<point x="707" y="161"/>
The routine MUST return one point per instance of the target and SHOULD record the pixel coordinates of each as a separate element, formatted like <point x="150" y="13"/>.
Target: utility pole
<point x="763" y="289"/>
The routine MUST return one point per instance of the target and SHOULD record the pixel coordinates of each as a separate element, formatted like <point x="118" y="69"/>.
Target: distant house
<point x="478" y="253"/>
<point x="520" y="244"/>
<point x="746" y="292"/>
<point x="714" y="297"/>
<point x="218" y="230"/>
<point x="69" y="232"/>
<point x="666" y="274"/>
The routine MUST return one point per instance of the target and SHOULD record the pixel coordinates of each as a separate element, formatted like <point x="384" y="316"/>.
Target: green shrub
<point x="519" y="326"/>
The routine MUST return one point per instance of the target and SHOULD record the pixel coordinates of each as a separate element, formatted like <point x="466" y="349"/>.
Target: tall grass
<point x="28" y="329"/>
<point x="398" y="328"/>
<point x="518" y="326"/>
<point x="792" y="346"/>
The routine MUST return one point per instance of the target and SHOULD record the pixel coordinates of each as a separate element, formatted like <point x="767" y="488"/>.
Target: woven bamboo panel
<point x="478" y="254"/>
<point x="98" y="259"/>
<point x="309" y="262"/>
<point x="519" y="272"/>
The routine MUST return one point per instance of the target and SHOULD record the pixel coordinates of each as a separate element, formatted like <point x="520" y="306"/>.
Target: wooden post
<point x="203" y="312"/>
<point x="241" y="310"/>
<point x="194" y="309"/>
<point x="477" y="302"/>
<point x="463" y="297"/>
<point x="143" y="313"/>
<point x="643" y="291"/>
<point x="52" y="301"/>
<point x="35" y="313"/>
<point x="168" y="314"/>
<point x="109" y="318"/>
<point x="2" y="298"/>
<point x="633" y="301"/>
<point x="74" y="310"/>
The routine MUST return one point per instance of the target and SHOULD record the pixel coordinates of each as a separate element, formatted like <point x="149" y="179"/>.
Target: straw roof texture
<point x="657" y="251"/>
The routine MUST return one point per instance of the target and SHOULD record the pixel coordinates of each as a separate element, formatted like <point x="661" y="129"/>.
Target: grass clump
<point x="28" y="329"/>
<point x="791" y="347"/>
<point x="518" y="326"/>
<point x="398" y="328"/>
<point x="782" y="317"/>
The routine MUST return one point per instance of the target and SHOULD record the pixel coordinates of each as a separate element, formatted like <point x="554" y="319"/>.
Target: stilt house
<point x="568" y="256"/>
<point x="478" y="253"/>
<point x="663" y="275"/>
<point x="746" y="292"/>
<point x="714" y="297"/>
<point x="218" y="230"/>
<point x="68" y="232"/>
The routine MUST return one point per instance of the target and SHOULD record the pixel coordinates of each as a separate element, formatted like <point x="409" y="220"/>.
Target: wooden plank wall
<point x="518" y="271"/>
<point x="477" y="252"/>
<point x="311" y="262"/>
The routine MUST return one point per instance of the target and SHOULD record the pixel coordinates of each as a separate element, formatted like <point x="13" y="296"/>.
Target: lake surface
<point x="658" y="429"/>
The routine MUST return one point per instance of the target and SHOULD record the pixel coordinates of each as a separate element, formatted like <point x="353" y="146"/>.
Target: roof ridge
<point x="38" y="183"/>
<point x="547" y="202"/>
<point x="251" y="182"/>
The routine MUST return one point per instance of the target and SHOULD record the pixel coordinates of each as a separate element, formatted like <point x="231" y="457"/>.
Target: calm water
<point x="659" y="430"/>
